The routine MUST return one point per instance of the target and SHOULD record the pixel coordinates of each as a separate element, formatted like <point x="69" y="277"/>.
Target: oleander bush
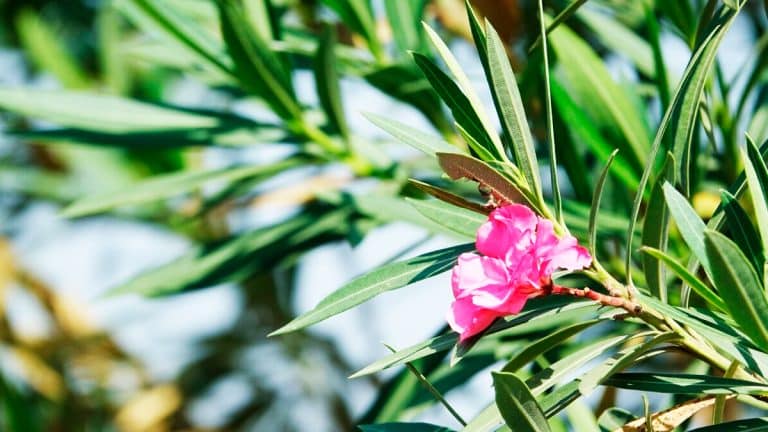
<point x="608" y="210"/>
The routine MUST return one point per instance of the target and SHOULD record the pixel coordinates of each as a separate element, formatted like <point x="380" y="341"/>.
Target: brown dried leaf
<point x="669" y="419"/>
<point x="501" y="189"/>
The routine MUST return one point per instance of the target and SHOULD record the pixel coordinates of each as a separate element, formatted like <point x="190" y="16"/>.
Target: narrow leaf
<point x="466" y="87"/>
<point x="454" y="218"/>
<point x="743" y="233"/>
<point x="687" y="277"/>
<point x="98" y="112"/>
<point x="757" y="181"/>
<point x="680" y="383"/>
<point x="426" y="143"/>
<point x="656" y="230"/>
<point x="739" y="285"/>
<point x="327" y="83"/>
<point x="595" y="208"/>
<point x="385" y="278"/>
<point x="168" y="185"/>
<point x="460" y="105"/>
<point x="517" y="405"/>
<point x="509" y="106"/>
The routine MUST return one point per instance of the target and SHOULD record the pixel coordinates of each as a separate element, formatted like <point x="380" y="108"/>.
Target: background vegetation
<point x="268" y="163"/>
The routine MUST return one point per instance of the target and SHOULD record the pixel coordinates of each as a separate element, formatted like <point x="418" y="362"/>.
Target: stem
<point x="431" y="389"/>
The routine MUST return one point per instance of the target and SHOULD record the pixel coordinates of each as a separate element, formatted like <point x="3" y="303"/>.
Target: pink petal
<point x="508" y="227"/>
<point x="473" y="272"/>
<point x="467" y="319"/>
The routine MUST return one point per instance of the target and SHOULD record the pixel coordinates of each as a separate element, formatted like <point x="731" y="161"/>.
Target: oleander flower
<point x="520" y="251"/>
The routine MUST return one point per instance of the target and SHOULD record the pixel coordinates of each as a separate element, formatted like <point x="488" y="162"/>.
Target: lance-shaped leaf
<point x="655" y="230"/>
<point x="679" y="383"/>
<point x="689" y="278"/>
<point x="454" y="218"/>
<point x="597" y="196"/>
<point x="757" y="179"/>
<point x="424" y="142"/>
<point x="466" y="87"/>
<point x="404" y="18"/>
<point x="385" y="278"/>
<point x="739" y="286"/>
<point x="685" y="105"/>
<point x="749" y="425"/>
<point x="509" y="106"/>
<point x="517" y="405"/>
<point x="585" y="76"/>
<point x="180" y="30"/>
<point x="682" y="115"/>
<point x="327" y="82"/>
<point x="168" y="185"/>
<point x="742" y="231"/>
<point x="469" y="120"/>
<point x="234" y="258"/>
<point x="101" y="113"/>
<point x="688" y="222"/>
<point x="403" y="427"/>
<point x="257" y="67"/>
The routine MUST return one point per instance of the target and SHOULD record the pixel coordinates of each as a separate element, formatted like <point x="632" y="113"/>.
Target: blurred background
<point x="207" y="266"/>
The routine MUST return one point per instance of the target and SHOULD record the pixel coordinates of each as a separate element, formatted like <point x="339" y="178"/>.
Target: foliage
<point x="675" y="298"/>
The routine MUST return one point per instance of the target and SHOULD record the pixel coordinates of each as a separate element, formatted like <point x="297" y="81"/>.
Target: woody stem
<point x="607" y="300"/>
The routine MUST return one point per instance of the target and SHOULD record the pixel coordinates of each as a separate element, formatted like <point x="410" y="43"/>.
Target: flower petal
<point x="468" y="319"/>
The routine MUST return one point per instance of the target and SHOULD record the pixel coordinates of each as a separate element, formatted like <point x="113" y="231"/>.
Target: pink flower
<point x="520" y="251"/>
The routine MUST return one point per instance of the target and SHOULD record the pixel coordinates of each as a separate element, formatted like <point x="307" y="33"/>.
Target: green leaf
<point x="614" y="418"/>
<point x="750" y="425"/>
<point x="426" y="143"/>
<point x="757" y="181"/>
<point x="509" y="106"/>
<point x="692" y="77"/>
<point x="686" y="276"/>
<point x="327" y="83"/>
<point x="559" y="19"/>
<point x="586" y="134"/>
<point x="739" y="285"/>
<point x="460" y="105"/>
<point x="168" y="185"/>
<point x="685" y="105"/>
<point x="620" y="39"/>
<point x="581" y="417"/>
<point x="547" y="378"/>
<point x="385" y="278"/>
<point x="624" y="358"/>
<point x="405" y="82"/>
<point x="680" y="383"/>
<point x="743" y="233"/>
<point x="454" y="218"/>
<point x="358" y="15"/>
<point x="689" y="223"/>
<point x="47" y="50"/>
<point x="595" y="208"/>
<point x="99" y="112"/>
<point x="256" y="66"/>
<point x="233" y="258"/>
<point x="404" y="18"/>
<point x="529" y="321"/>
<point x="517" y="405"/>
<point x="403" y="427"/>
<point x="467" y="89"/>
<point x="544" y="344"/>
<point x="656" y="230"/>
<point x="183" y="31"/>
<point x="608" y="105"/>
